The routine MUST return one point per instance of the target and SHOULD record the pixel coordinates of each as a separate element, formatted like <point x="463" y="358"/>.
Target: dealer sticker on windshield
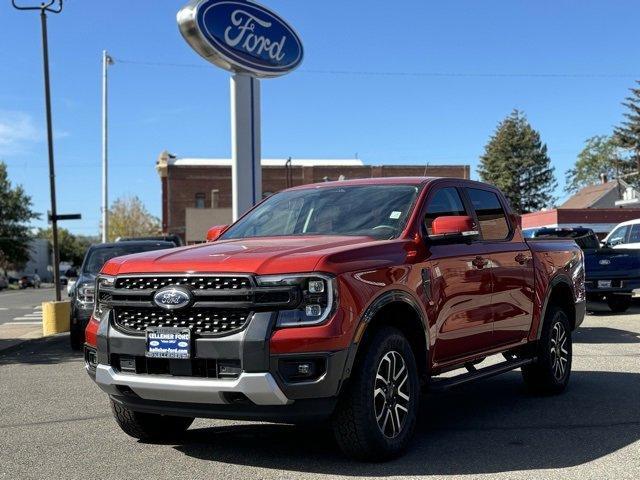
<point x="166" y="342"/>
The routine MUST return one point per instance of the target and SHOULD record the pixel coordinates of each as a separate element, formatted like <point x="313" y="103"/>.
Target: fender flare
<point x="386" y="298"/>
<point x="555" y="281"/>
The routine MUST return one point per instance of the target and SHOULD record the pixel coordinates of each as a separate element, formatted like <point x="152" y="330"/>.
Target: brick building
<point x="196" y="192"/>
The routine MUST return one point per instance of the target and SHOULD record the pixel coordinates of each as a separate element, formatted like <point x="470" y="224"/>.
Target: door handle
<point x="521" y="258"/>
<point x="479" y="262"/>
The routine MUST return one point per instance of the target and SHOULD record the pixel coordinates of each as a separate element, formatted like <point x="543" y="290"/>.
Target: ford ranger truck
<point x="339" y="301"/>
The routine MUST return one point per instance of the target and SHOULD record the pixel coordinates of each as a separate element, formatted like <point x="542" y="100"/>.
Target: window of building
<point x="444" y="203"/>
<point x="491" y="216"/>
<point x="215" y="198"/>
<point x="200" y="199"/>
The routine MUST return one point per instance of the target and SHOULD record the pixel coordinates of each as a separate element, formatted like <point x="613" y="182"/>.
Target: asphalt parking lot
<point x="56" y="424"/>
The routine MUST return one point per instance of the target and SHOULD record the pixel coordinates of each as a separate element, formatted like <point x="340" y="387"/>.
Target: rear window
<point x="586" y="239"/>
<point x="491" y="216"/>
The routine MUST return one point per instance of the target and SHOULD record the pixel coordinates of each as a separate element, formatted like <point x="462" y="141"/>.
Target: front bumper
<point x="260" y="391"/>
<point x="259" y="388"/>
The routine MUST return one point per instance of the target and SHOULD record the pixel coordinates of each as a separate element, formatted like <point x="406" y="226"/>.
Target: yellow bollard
<point x="55" y="317"/>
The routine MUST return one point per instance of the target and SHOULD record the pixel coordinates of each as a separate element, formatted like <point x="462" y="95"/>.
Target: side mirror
<point x="214" y="232"/>
<point x="453" y="229"/>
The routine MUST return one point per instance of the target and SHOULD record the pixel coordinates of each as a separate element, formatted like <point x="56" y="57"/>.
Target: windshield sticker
<point x="395" y="215"/>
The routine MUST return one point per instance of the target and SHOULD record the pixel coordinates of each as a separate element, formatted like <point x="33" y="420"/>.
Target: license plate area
<point x="604" y="283"/>
<point x="168" y="342"/>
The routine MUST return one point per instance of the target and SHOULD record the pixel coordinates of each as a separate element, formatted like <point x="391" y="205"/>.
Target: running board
<point x="478" y="374"/>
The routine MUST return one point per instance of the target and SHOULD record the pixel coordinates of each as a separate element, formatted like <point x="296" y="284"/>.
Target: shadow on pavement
<point x="41" y="351"/>
<point x="489" y="427"/>
<point x="604" y="335"/>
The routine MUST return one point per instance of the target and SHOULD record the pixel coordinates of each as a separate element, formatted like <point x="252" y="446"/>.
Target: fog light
<point x="316" y="286"/>
<point x="304" y="368"/>
<point x="313" y="310"/>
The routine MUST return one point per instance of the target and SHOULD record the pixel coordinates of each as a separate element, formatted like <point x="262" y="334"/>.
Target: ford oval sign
<point x="241" y="36"/>
<point x="172" y="298"/>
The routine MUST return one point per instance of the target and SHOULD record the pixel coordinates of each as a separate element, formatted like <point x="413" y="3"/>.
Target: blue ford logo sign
<point x="241" y="36"/>
<point x="172" y="298"/>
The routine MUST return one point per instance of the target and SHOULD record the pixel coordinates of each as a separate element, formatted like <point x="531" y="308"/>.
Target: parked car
<point x="612" y="274"/>
<point x="82" y="292"/>
<point x="4" y="282"/>
<point x="30" y="281"/>
<point x="624" y="235"/>
<point x="335" y="301"/>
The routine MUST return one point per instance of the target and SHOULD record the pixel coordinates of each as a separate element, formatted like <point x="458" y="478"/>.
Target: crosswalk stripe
<point x="25" y="318"/>
<point x="22" y="323"/>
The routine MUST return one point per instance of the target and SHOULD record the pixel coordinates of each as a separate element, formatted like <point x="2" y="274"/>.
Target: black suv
<point x="82" y="294"/>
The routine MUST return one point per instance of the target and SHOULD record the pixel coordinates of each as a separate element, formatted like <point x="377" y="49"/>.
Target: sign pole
<point x="246" y="168"/>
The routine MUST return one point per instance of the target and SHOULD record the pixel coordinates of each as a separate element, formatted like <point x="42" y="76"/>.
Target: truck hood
<point x="267" y="255"/>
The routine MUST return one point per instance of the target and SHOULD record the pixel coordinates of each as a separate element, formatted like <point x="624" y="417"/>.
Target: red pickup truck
<point x="341" y="301"/>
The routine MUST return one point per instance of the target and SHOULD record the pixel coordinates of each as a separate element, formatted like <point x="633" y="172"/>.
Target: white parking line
<point x="27" y="318"/>
<point x="22" y="323"/>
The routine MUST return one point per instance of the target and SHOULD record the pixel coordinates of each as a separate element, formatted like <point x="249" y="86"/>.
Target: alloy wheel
<point x="391" y="394"/>
<point x="559" y="351"/>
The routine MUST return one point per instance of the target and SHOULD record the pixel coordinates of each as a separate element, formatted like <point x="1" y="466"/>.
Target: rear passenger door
<point x="512" y="267"/>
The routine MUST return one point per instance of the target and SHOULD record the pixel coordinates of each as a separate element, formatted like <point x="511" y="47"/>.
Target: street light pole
<point x="106" y="61"/>
<point x="44" y="8"/>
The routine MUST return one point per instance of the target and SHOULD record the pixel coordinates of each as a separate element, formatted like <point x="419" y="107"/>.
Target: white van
<point x="624" y="235"/>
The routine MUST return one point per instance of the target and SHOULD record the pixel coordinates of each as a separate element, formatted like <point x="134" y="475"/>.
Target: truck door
<point x="456" y="284"/>
<point x="512" y="267"/>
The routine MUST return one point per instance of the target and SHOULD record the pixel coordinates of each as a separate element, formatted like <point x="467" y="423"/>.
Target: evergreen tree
<point x="515" y="160"/>
<point x="600" y="155"/>
<point x="628" y="133"/>
<point x="15" y="214"/>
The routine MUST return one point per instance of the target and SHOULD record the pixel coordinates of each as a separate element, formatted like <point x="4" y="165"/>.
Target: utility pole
<point x="106" y="61"/>
<point x="44" y="8"/>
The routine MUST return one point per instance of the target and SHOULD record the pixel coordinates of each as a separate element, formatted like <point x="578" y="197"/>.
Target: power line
<point x="374" y="73"/>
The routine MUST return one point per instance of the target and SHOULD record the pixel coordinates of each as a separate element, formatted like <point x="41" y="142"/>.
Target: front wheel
<point x="376" y="415"/>
<point x="149" y="426"/>
<point x="619" y="303"/>
<point x="552" y="368"/>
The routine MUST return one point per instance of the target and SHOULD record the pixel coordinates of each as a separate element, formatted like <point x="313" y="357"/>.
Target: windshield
<point x="98" y="256"/>
<point x="378" y="211"/>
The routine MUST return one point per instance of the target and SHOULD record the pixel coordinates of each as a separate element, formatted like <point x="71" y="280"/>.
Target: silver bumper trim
<point x="260" y="388"/>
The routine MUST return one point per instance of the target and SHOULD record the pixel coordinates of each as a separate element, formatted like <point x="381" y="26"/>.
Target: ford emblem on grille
<point x="172" y="298"/>
<point x="605" y="261"/>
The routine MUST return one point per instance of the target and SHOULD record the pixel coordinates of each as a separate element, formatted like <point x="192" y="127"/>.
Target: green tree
<point x="515" y="160"/>
<point x="15" y="215"/>
<point x="128" y="217"/>
<point x="72" y="247"/>
<point x="628" y="133"/>
<point x="600" y="155"/>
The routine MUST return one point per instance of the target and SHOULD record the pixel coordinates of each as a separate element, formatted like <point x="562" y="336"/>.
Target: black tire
<point x="149" y="426"/>
<point x="76" y="337"/>
<point x="619" y="303"/>
<point x="355" y="421"/>
<point x="549" y="375"/>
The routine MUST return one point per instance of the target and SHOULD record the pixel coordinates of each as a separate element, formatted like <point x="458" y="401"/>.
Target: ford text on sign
<point x="241" y="36"/>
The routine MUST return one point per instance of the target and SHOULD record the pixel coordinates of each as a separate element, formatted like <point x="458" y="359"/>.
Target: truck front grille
<point x="202" y="321"/>
<point x="197" y="282"/>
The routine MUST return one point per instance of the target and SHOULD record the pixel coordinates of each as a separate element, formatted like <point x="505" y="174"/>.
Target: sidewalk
<point x="14" y="334"/>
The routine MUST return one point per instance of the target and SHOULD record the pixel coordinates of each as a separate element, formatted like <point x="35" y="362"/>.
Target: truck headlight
<point x="104" y="284"/>
<point x="85" y="295"/>
<point x="318" y="298"/>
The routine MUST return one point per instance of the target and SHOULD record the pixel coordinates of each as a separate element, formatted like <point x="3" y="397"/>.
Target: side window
<point x="445" y="203"/>
<point x="619" y="235"/>
<point x="635" y="234"/>
<point x="491" y="216"/>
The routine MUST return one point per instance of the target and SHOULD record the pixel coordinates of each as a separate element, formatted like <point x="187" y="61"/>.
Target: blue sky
<point x="398" y="119"/>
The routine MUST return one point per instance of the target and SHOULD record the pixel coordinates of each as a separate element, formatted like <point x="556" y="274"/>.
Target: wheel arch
<point x="409" y="319"/>
<point x="560" y="293"/>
